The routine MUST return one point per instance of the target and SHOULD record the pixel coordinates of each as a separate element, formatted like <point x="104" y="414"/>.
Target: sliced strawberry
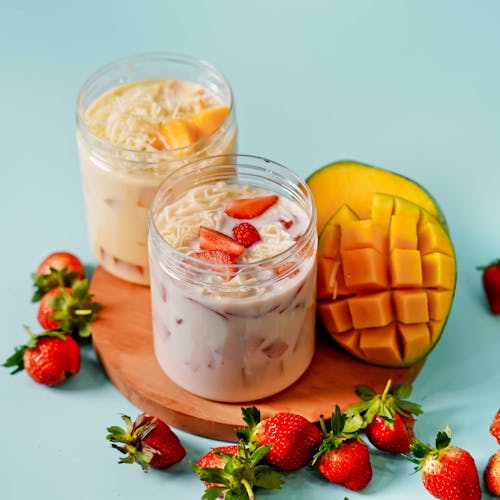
<point x="285" y="267"/>
<point x="218" y="257"/>
<point x="248" y="208"/>
<point x="210" y="239"/>
<point x="287" y="224"/>
<point x="246" y="234"/>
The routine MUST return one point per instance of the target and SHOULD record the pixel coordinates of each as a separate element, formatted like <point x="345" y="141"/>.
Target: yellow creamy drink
<point x="138" y="120"/>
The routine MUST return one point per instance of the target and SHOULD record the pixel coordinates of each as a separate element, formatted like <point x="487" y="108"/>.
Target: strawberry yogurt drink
<point x="232" y="248"/>
<point x="139" y="119"/>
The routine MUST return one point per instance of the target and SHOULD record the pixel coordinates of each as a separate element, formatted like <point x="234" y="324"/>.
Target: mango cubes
<point x="385" y="282"/>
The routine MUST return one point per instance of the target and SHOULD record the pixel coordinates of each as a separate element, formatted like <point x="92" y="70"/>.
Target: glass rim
<point x="177" y="57"/>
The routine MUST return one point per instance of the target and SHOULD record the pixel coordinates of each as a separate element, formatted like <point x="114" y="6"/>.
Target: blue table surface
<point x="411" y="86"/>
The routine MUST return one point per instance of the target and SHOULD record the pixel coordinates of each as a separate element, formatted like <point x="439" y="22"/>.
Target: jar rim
<point x="233" y="160"/>
<point x="150" y="57"/>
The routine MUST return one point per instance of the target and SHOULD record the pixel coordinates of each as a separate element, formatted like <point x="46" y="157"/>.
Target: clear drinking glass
<point x="242" y="332"/>
<point x="119" y="182"/>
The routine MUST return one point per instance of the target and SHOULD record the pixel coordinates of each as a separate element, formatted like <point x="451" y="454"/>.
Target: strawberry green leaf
<point x="364" y="392"/>
<point x="267" y="478"/>
<point x="443" y="438"/>
<point x="251" y="416"/>
<point x="16" y="360"/>
<point x="76" y="310"/>
<point x="57" y="278"/>
<point x="213" y="493"/>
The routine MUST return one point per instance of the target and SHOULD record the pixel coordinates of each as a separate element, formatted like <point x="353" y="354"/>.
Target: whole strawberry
<point x="291" y="436"/>
<point x="448" y="472"/>
<point x="491" y="284"/>
<point x="147" y="441"/>
<point x="45" y="312"/>
<point x="213" y="459"/>
<point x="492" y="474"/>
<point x="59" y="269"/>
<point x="343" y="458"/>
<point x="69" y="309"/>
<point x="234" y="471"/>
<point x="388" y="417"/>
<point x="495" y="427"/>
<point x="48" y="357"/>
<point x="246" y="234"/>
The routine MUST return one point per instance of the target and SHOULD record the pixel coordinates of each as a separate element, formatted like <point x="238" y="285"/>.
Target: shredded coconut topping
<point x="204" y="205"/>
<point x="130" y="115"/>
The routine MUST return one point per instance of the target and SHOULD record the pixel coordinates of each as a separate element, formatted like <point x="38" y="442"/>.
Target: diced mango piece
<point x="157" y="143"/>
<point x="406" y="208"/>
<point x="340" y="287"/>
<point x="439" y="303"/>
<point x="416" y="339"/>
<point x="209" y="120"/>
<point x="405" y="268"/>
<point x="438" y="271"/>
<point x="386" y="283"/>
<point x="403" y="232"/>
<point x="350" y="342"/>
<point x="381" y="345"/>
<point x="382" y="206"/>
<point x="373" y="310"/>
<point x="336" y="315"/>
<point x="342" y="215"/>
<point x="411" y="306"/>
<point x="327" y="270"/>
<point x="432" y="237"/>
<point x="365" y="269"/>
<point x="329" y="243"/>
<point x="363" y="234"/>
<point x="180" y="133"/>
<point x="435" y="329"/>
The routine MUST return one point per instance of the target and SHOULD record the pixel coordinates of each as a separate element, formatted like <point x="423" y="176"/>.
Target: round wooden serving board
<point x="122" y="338"/>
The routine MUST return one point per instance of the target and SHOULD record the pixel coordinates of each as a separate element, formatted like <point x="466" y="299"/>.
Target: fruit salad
<point x="233" y="289"/>
<point x="130" y="136"/>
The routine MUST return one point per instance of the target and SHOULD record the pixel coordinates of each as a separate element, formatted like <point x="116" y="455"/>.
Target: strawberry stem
<point x="248" y="489"/>
<point x="386" y="389"/>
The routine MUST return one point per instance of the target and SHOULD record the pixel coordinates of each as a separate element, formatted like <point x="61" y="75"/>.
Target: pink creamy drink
<point x="232" y="251"/>
<point x="139" y="119"/>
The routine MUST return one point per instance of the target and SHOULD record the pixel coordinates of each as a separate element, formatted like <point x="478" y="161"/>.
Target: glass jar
<point x="240" y="332"/>
<point x="119" y="181"/>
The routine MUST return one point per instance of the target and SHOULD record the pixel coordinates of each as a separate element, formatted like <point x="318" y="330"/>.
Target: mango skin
<point x="354" y="184"/>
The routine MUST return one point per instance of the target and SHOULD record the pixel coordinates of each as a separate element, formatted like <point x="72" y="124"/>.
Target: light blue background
<point x="412" y="86"/>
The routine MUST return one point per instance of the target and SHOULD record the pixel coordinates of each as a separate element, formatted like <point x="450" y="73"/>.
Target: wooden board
<point x="122" y="338"/>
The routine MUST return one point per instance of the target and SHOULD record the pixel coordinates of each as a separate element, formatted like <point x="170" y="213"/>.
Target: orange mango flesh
<point x="181" y="132"/>
<point x="385" y="283"/>
<point x="360" y="182"/>
<point x="209" y="120"/>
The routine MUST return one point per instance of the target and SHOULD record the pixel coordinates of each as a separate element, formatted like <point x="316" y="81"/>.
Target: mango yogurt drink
<point x="232" y="246"/>
<point x="139" y="119"/>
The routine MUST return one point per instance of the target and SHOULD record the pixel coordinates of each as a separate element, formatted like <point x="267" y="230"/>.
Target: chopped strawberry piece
<point x="246" y="234"/>
<point x="248" y="208"/>
<point x="276" y="349"/>
<point x="215" y="257"/>
<point x="210" y="239"/>
<point x="284" y="267"/>
<point x="218" y="257"/>
<point x="287" y="224"/>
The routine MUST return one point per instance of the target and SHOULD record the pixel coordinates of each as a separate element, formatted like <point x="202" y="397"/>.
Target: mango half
<point x="385" y="281"/>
